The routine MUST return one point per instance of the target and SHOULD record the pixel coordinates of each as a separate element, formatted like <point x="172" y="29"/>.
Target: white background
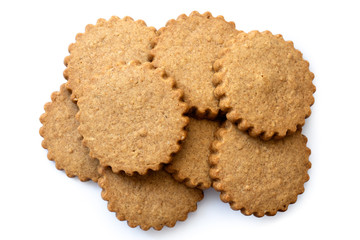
<point x="39" y="202"/>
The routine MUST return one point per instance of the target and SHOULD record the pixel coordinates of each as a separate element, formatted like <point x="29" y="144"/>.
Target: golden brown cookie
<point x="152" y="200"/>
<point x="191" y="164"/>
<point x="255" y="176"/>
<point x="62" y="139"/>
<point x="187" y="49"/>
<point x="131" y="118"/>
<point x="264" y="84"/>
<point x="107" y="42"/>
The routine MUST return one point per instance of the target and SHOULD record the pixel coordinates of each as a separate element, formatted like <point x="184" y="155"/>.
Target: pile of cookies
<point x="155" y="117"/>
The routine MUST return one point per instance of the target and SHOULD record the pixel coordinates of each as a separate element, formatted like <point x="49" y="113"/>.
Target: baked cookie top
<point x="264" y="84"/>
<point x="191" y="164"/>
<point x="255" y="176"/>
<point x="187" y="48"/>
<point x="107" y="42"/>
<point x="152" y="200"/>
<point x="131" y="118"/>
<point x="62" y="139"/>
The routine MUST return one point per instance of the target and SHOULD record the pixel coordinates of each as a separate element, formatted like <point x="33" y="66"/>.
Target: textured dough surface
<point x="106" y="43"/>
<point x="187" y="49"/>
<point x="152" y="200"/>
<point x="264" y="84"/>
<point x="62" y="139"/>
<point x="191" y="163"/>
<point x="259" y="177"/>
<point x="131" y="118"/>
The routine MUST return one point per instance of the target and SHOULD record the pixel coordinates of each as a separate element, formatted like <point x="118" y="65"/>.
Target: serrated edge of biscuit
<point x="88" y="28"/>
<point x="122" y="217"/>
<point x="220" y="94"/>
<point x="226" y="197"/>
<point x="182" y="133"/>
<point x="205" y="113"/>
<point x="175" y="173"/>
<point x="50" y="155"/>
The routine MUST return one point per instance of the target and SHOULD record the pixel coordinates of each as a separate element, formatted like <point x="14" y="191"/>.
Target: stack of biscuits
<point x="157" y="116"/>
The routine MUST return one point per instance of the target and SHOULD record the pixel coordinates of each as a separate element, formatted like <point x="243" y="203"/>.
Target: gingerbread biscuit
<point x="191" y="164"/>
<point x="264" y="84"/>
<point x="187" y="49"/>
<point x="131" y="118"/>
<point x="107" y="42"/>
<point x="62" y="139"/>
<point x="153" y="200"/>
<point x="255" y="176"/>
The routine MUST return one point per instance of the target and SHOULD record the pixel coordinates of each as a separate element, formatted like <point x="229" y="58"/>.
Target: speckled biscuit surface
<point x="255" y="176"/>
<point x="191" y="164"/>
<point x="264" y="84"/>
<point x="131" y="118"/>
<point x="105" y="43"/>
<point x="62" y="139"/>
<point x="153" y="200"/>
<point x="187" y="49"/>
